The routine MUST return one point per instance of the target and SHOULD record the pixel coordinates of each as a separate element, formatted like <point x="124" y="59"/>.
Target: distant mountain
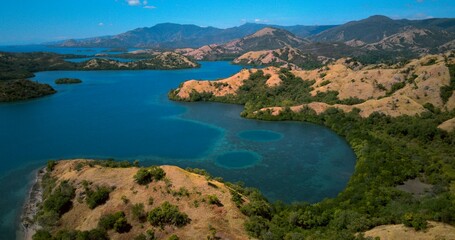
<point x="382" y="33"/>
<point x="170" y="35"/>
<point x="376" y="33"/>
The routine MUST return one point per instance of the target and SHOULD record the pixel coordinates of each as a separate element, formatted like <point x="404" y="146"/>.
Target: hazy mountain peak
<point x="264" y="31"/>
<point x="378" y="18"/>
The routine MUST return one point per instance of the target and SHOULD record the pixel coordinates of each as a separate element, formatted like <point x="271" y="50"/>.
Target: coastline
<point x="35" y="196"/>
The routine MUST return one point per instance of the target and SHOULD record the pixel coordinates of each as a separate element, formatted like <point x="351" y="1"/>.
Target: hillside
<point x="206" y="203"/>
<point x="435" y="231"/>
<point x="288" y="57"/>
<point x="383" y="33"/>
<point x="346" y="84"/>
<point x="265" y="39"/>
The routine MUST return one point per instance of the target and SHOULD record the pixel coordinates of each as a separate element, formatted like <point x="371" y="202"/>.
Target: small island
<point x="68" y="81"/>
<point x="15" y="90"/>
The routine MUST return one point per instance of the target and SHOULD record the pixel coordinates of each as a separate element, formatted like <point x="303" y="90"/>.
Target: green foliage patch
<point x="147" y="175"/>
<point x="96" y="197"/>
<point x="167" y="214"/>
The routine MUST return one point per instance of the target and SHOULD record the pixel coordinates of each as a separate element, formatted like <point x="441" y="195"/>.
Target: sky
<point x="35" y="21"/>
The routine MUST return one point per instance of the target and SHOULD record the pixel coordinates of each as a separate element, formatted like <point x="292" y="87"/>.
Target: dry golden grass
<point x="448" y="125"/>
<point x="370" y="83"/>
<point x="228" y="85"/>
<point x="227" y="219"/>
<point x="436" y="231"/>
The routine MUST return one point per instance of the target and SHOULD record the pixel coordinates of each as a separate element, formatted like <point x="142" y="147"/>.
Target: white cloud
<point x="419" y="16"/>
<point x="145" y="2"/>
<point x="100" y="24"/>
<point x="133" y="2"/>
<point x="149" y="7"/>
<point x="258" y="20"/>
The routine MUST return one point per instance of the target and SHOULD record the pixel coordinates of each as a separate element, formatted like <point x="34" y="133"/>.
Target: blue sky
<point x="35" y="21"/>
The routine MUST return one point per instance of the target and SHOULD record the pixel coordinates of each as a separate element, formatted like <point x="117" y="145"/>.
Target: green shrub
<point x="116" y="221"/>
<point x="213" y="199"/>
<point x="60" y="200"/>
<point x="237" y="198"/>
<point x="415" y="220"/>
<point x="395" y="87"/>
<point x="97" y="197"/>
<point x="147" y="175"/>
<point x="50" y="165"/>
<point x="42" y="235"/>
<point x="121" y="225"/>
<point x="325" y="82"/>
<point x="182" y="192"/>
<point x="173" y="237"/>
<point x="138" y="212"/>
<point x="167" y="214"/>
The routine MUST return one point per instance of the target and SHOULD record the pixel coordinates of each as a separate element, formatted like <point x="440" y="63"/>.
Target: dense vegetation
<point x="167" y="214"/>
<point x="96" y="197"/>
<point x="447" y="91"/>
<point x="147" y="175"/>
<point x="15" y="90"/>
<point x="67" y="81"/>
<point x="389" y="151"/>
<point x="23" y="65"/>
<point x="116" y="221"/>
<point x="57" y="201"/>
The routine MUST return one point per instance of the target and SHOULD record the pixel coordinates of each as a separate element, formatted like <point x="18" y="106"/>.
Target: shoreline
<point x="34" y="198"/>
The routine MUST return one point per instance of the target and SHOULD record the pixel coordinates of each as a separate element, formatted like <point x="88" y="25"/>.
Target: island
<point x="68" y="81"/>
<point x="16" y="90"/>
<point x="15" y="68"/>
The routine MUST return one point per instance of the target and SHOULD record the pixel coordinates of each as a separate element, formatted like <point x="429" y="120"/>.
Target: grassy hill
<point x="87" y="198"/>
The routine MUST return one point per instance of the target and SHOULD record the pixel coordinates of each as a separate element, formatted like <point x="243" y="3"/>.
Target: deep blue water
<point x="126" y="115"/>
<point x="78" y="60"/>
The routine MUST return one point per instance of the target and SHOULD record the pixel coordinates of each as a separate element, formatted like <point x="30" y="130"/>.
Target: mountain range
<point x="171" y="35"/>
<point x="373" y="33"/>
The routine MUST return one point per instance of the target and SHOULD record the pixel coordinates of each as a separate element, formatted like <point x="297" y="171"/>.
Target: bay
<point x="126" y="115"/>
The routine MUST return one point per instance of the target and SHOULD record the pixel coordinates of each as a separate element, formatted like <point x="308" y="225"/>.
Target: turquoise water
<point x="260" y="135"/>
<point x="126" y="115"/>
<point x="238" y="159"/>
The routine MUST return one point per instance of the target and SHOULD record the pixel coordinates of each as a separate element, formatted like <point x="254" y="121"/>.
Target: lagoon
<point x="126" y="115"/>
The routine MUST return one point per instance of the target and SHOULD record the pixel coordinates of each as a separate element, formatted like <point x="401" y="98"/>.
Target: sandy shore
<point x="30" y="208"/>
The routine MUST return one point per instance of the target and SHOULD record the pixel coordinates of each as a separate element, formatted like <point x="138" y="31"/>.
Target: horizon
<point x="30" y="22"/>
